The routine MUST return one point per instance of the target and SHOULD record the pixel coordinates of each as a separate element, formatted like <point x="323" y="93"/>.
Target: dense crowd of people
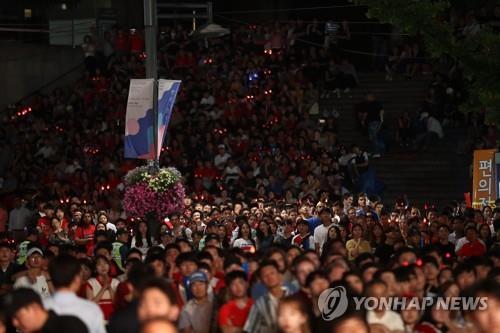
<point x="269" y="224"/>
<point x="250" y="266"/>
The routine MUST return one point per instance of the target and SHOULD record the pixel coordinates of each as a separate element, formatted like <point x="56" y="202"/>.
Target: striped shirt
<point x="263" y="317"/>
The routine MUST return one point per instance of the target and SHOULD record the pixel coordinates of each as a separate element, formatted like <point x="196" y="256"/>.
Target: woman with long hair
<point x="143" y="238"/>
<point x="376" y="236"/>
<point x="244" y="239"/>
<point x="224" y="236"/>
<point x="87" y="268"/>
<point x="484" y="233"/>
<point x="265" y="238"/>
<point x="59" y="235"/>
<point x="357" y="244"/>
<point x="332" y="235"/>
<point x="101" y="288"/>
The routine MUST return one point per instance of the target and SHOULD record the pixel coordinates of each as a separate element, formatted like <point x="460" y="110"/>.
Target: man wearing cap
<point x="197" y="314"/>
<point x="35" y="278"/>
<point x="7" y="267"/>
<point x="24" y="307"/>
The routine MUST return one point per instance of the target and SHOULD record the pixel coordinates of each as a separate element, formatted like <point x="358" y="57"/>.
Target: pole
<point x="73" y="10"/>
<point x="194" y="20"/>
<point x="210" y="12"/>
<point x="150" y="23"/>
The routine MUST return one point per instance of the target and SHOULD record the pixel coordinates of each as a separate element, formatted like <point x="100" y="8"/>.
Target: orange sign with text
<point x="483" y="180"/>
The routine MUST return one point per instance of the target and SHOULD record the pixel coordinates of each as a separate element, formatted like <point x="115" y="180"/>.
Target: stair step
<point x="435" y="176"/>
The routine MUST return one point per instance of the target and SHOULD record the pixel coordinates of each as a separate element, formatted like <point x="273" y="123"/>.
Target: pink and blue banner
<point x="139" y="124"/>
<point x="167" y="91"/>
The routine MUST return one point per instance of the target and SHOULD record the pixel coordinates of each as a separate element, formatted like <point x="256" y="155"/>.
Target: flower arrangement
<point x="153" y="195"/>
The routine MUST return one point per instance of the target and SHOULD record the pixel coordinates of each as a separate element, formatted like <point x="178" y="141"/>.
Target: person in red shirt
<point x="233" y="314"/>
<point x="44" y="224"/>
<point x="61" y="216"/>
<point x="474" y="247"/>
<point x="136" y="42"/>
<point x="84" y="233"/>
<point x="121" y="43"/>
<point x="4" y="218"/>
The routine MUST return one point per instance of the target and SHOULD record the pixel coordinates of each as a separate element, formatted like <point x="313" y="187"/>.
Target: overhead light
<point x="64" y="6"/>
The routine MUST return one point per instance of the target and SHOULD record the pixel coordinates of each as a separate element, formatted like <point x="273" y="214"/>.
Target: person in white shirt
<point x="19" y="217"/>
<point x="244" y="239"/>
<point x="321" y="231"/>
<point x="458" y="230"/>
<point x="207" y="99"/>
<point x="35" y="278"/>
<point x="221" y="158"/>
<point x="66" y="278"/>
<point x="434" y="131"/>
<point x="232" y="172"/>
<point x="380" y="316"/>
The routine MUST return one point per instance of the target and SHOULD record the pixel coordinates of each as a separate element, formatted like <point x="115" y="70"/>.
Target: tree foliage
<point x="479" y="55"/>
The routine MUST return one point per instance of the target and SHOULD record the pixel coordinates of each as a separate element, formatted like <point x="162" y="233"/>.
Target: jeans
<point x="375" y="138"/>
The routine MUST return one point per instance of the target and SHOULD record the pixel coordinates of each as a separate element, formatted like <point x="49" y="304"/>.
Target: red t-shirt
<point x="136" y="43"/>
<point x="83" y="232"/>
<point x="122" y="292"/>
<point x="231" y="315"/>
<point x="46" y="229"/>
<point x="472" y="249"/>
<point x="121" y="43"/>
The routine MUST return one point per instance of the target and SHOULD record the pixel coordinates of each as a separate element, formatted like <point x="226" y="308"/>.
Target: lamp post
<point x="150" y="27"/>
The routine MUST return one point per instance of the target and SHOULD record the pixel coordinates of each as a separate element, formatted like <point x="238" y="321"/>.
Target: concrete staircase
<point x="435" y="177"/>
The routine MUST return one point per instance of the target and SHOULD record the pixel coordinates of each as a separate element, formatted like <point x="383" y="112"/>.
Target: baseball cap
<point x="34" y="250"/>
<point x="198" y="276"/>
<point x="221" y="146"/>
<point x="19" y="298"/>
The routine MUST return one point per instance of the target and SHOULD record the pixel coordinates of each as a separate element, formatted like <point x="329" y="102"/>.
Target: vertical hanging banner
<point x="483" y="182"/>
<point x="139" y="122"/>
<point x="167" y="91"/>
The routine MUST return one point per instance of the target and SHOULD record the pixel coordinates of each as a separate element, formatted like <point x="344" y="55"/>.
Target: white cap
<point x="34" y="250"/>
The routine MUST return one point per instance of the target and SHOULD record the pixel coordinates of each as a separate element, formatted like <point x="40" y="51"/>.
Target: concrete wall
<point x="24" y="68"/>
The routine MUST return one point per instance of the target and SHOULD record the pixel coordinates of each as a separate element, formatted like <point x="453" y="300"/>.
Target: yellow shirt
<point x="361" y="246"/>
